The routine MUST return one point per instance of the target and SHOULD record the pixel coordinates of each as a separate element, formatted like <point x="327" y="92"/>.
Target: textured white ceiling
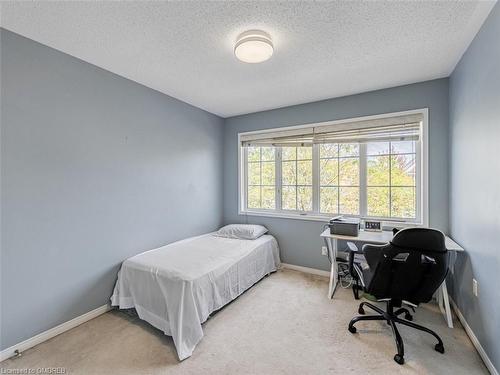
<point x="322" y="49"/>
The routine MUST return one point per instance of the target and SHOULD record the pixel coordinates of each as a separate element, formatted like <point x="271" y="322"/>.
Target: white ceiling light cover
<point x="253" y="47"/>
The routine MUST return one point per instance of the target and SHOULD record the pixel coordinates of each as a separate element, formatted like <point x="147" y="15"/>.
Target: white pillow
<point x="242" y="231"/>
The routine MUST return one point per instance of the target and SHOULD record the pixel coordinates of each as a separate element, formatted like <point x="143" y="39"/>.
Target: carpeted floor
<point x="283" y="325"/>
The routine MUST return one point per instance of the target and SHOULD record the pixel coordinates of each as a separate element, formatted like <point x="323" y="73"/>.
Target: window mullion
<point x="260" y="178"/>
<point x="390" y="179"/>
<point x="296" y="180"/>
<point x="278" y="182"/>
<point x="245" y="178"/>
<point x="363" y="191"/>
<point x="315" y="176"/>
<point x="418" y="182"/>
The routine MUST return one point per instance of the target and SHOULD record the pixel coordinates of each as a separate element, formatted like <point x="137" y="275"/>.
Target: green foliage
<point x="267" y="153"/>
<point x="289" y="153"/>
<point x="391" y="180"/>
<point x="261" y="177"/>
<point x="329" y="175"/>
<point x="268" y="197"/>
<point x="328" y="199"/>
<point x="349" y="172"/>
<point x="403" y="170"/>
<point x="329" y="150"/>
<point x="403" y="202"/>
<point x="268" y="173"/>
<point x="304" y="153"/>
<point x="304" y="172"/>
<point x="254" y="173"/>
<point x="378" y="201"/>
<point x="289" y="197"/>
<point x="288" y="173"/>
<point x="348" y="149"/>
<point x="253" y="153"/>
<point x="304" y="198"/>
<point x="349" y="200"/>
<point x="339" y="178"/>
<point x="296" y="178"/>
<point x="253" y="197"/>
<point x="377" y="171"/>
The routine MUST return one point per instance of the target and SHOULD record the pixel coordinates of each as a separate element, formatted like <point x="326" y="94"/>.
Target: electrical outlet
<point x="324" y="250"/>
<point x="474" y="287"/>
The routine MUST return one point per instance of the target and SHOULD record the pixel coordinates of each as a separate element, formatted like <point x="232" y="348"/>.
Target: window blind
<point x="401" y="128"/>
<point x="295" y="137"/>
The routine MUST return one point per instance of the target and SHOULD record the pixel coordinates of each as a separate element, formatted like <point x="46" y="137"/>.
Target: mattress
<point x="176" y="287"/>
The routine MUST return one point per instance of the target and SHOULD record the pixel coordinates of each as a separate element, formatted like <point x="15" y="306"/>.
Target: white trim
<point x="283" y="215"/>
<point x="241" y="195"/>
<point x="363" y="179"/>
<point x="324" y="218"/>
<point x="315" y="178"/>
<point x="424" y="173"/>
<point x="312" y="271"/>
<point x="487" y="362"/>
<point x="44" y="336"/>
<point x="422" y="184"/>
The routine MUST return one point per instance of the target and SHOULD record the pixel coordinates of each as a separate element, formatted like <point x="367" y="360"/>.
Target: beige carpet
<point x="283" y="325"/>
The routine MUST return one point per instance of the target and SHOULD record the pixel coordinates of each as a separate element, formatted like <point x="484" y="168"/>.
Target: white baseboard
<point x="44" y="336"/>
<point x="474" y="339"/>
<point x="313" y="271"/>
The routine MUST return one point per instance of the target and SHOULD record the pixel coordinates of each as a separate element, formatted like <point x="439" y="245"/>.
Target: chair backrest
<point x="411" y="267"/>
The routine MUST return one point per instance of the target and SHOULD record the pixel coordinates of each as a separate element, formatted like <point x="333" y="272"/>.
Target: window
<point x="368" y="168"/>
<point x="391" y="179"/>
<point x="339" y="178"/>
<point x="296" y="179"/>
<point x="261" y="177"/>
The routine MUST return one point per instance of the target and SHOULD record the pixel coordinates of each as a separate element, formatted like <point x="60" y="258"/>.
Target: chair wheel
<point x="361" y="310"/>
<point x="439" y="348"/>
<point x="399" y="359"/>
<point x="408" y="317"/>
<point x="352" y="329"/>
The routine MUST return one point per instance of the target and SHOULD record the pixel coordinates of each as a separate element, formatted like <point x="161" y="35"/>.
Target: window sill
<point x="282" y="215"/>
<point x="324" y="219"/>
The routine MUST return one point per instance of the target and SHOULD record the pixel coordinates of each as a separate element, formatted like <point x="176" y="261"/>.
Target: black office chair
<point x="409" y="269"/>
<point x="356" y="262"/>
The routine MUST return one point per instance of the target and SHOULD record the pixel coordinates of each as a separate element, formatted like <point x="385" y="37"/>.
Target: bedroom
<point x="127" y="127"/>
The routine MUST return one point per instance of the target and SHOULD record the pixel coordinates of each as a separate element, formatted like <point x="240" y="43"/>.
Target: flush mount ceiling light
<point x="253" y="46"/>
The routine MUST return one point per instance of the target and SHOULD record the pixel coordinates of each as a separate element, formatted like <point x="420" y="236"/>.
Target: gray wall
<point x="475" y="183"/>
<point x="95" y="168"/>
<point x="299" y="240"/>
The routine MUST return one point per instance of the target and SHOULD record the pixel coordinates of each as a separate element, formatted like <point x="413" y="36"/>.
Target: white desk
<point x="381" y="238"/>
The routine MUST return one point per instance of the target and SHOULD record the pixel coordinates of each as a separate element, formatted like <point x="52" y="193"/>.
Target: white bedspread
<point x="176" y="287"/>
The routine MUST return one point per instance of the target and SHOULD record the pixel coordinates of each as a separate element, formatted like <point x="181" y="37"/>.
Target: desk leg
<point x="444" y="304"/>
<point x="439" y="299"/>
<point x="332" y="248"/>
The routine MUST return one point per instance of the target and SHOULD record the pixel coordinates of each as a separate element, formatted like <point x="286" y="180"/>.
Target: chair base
<point x="392" y="317"/>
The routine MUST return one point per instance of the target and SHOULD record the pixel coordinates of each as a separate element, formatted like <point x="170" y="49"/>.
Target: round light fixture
<point x="253" y="46"/>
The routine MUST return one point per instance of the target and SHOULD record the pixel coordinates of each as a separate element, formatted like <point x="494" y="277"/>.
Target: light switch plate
<point x="474" y="287"/>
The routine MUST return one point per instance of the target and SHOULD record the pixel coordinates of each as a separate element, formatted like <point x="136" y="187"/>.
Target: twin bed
<point x="176" y="287"/>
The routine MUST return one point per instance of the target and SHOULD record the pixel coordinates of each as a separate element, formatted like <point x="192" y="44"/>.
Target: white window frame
<point x="422" y="183"/>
